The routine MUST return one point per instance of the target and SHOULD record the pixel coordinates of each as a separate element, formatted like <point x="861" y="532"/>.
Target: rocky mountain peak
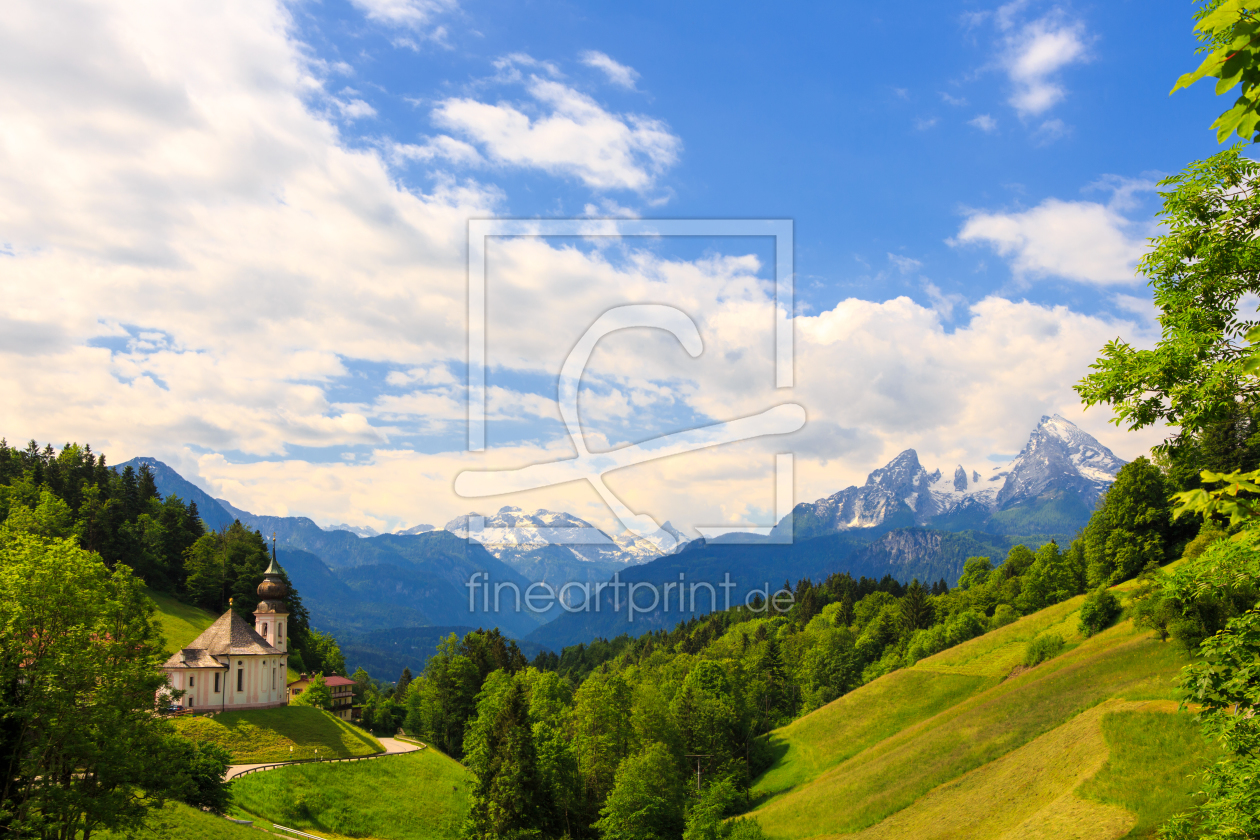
<point x="960" y="479"/>
<point x="1059" y="456"/>
<point x="901" y="473"/>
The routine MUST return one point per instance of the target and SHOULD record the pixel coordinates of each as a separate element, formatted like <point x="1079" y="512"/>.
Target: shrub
<point x="1042" y="649"/>
<point x="962" y="627"/>
<point x="1100" y="609"/>
<point x="1004" y="615"/>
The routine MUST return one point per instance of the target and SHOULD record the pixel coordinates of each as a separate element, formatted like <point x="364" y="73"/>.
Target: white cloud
<point x="171" y="193"/>
<point x="924" y="123"/>
<point x="355" y="109"/>
<point x="984" y="122"/>
<point x="619" y="74"/>
<point x="1034" y="55"/>
<point x="1077" y="240"/>
<point x="905" y="264"/>
<point x="956" y="101"/>
<point x="414" y="14"/>
<point x="575" y="137"/>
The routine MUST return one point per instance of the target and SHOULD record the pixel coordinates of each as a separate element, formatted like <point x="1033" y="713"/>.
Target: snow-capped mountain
<point x="1059" y="458"/>
<point x="415" y="529"/>
<point x="357" y="530"/>
<point x="511" y="531"/>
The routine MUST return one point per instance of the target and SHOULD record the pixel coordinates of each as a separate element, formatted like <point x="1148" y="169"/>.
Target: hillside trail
<point x="392" y="747"/>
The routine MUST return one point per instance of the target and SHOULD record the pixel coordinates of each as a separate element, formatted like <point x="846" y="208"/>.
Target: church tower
<point x="271" y="619"/>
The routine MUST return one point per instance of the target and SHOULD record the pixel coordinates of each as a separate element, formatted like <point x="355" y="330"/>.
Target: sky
<point x="234" y="236"/>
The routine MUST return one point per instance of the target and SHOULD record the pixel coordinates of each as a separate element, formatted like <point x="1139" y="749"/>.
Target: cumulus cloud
<point x="1076" y="240"/>
<point x="618" y="74"/>
<point x="1035" y="53"/>
<point x="199" y="267"/>
<point x="573" y="136"/>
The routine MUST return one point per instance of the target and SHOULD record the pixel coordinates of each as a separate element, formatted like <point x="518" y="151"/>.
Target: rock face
<point x="1059" y="456"/>
<point x="511" y="532"/>
<point x="1059" y="459"/>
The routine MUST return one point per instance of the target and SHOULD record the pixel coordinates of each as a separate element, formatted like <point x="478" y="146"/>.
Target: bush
<point x="744" y="828"/>
<point x="1042" y="649"/>
<point x="1004" y="615"/>
<point x="962" y="627"/>
<point x="1100" y="610"/>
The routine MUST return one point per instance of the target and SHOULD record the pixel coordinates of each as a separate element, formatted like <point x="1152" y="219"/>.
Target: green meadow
<point x="970" y="744"/>
<point x="256" y="736"/>
<point x="414" y="796"/>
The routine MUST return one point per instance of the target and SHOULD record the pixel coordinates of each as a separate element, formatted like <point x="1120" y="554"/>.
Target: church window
<point x="190" y="680"/>
<point x="273" y="679"/>
<point x="240" y="679"/>
<point x="216" y="683"/>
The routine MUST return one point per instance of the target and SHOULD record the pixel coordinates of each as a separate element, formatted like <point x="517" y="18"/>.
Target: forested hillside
<point x="120" y="515"/>
<point x="606" y="739"/>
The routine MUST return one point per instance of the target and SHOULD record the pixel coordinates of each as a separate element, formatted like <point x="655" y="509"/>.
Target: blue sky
<point x="856" y="122"/>
<point x="235" y="236"/>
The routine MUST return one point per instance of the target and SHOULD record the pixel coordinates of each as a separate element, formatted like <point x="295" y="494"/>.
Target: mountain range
<point x="903" y="521"/>
<point x="1051" y="486"/>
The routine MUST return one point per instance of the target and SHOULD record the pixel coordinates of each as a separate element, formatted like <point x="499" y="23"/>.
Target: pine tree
<point x="916" y="608"/>
<point x="507" y="797"/>
<point x="404" y="680"/>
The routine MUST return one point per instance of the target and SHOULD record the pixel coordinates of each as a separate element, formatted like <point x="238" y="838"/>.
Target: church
<point x="234" y="666"/>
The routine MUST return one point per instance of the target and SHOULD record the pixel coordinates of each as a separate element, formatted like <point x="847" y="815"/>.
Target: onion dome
<point x="273" y="587"/>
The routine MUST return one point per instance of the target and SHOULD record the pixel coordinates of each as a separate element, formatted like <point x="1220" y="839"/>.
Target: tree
<point x="1100" y="609"/>
<point x="316" y="694"/>
<point x="647" y="799"/>
<point x="404" y="681"/>
<point x="1131" y="528"/>
<point x="80" y="747"/>
<point x="207" y="763"/>
<point x="363" y="685"/>
<point x="916" y="608"/>
<point x="975" y="572"/>
<point x="1200" y="269"/>
<point x="505" y="801"/>
<point x="1230" y="33"/>
<point x="602" y="733"/>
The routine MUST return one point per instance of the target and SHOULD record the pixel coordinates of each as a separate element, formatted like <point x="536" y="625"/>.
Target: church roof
<point x="230" y="635"/>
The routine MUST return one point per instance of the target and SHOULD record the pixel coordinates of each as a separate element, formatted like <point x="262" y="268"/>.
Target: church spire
<point x="273" y="587"/>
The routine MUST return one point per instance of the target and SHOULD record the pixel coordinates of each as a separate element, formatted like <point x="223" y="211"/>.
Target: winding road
<point x="392" y="747"/>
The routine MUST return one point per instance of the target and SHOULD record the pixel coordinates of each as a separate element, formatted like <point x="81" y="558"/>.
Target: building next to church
<point x="234" y="666"/>
<point x="340" y="689"/>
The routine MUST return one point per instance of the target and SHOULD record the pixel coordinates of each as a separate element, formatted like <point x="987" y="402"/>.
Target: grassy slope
<point x="886" y="748"/>
<point x="418" y="796"/>
<point x="261" y="735"/>
<point x="177" y="821"/>
<point x="1150" y="771"/>
<point x="180" y="623"/>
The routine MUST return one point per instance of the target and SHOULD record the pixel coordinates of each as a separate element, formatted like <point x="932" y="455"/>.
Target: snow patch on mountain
<point x="415" y="529"/>
<point x="358" y="530"/>
<point x="512" y="530"/>
<point x="1059" y="456"/>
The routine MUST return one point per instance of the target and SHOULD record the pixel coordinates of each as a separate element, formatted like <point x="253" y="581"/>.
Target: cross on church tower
<point x="271" y="616"/>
